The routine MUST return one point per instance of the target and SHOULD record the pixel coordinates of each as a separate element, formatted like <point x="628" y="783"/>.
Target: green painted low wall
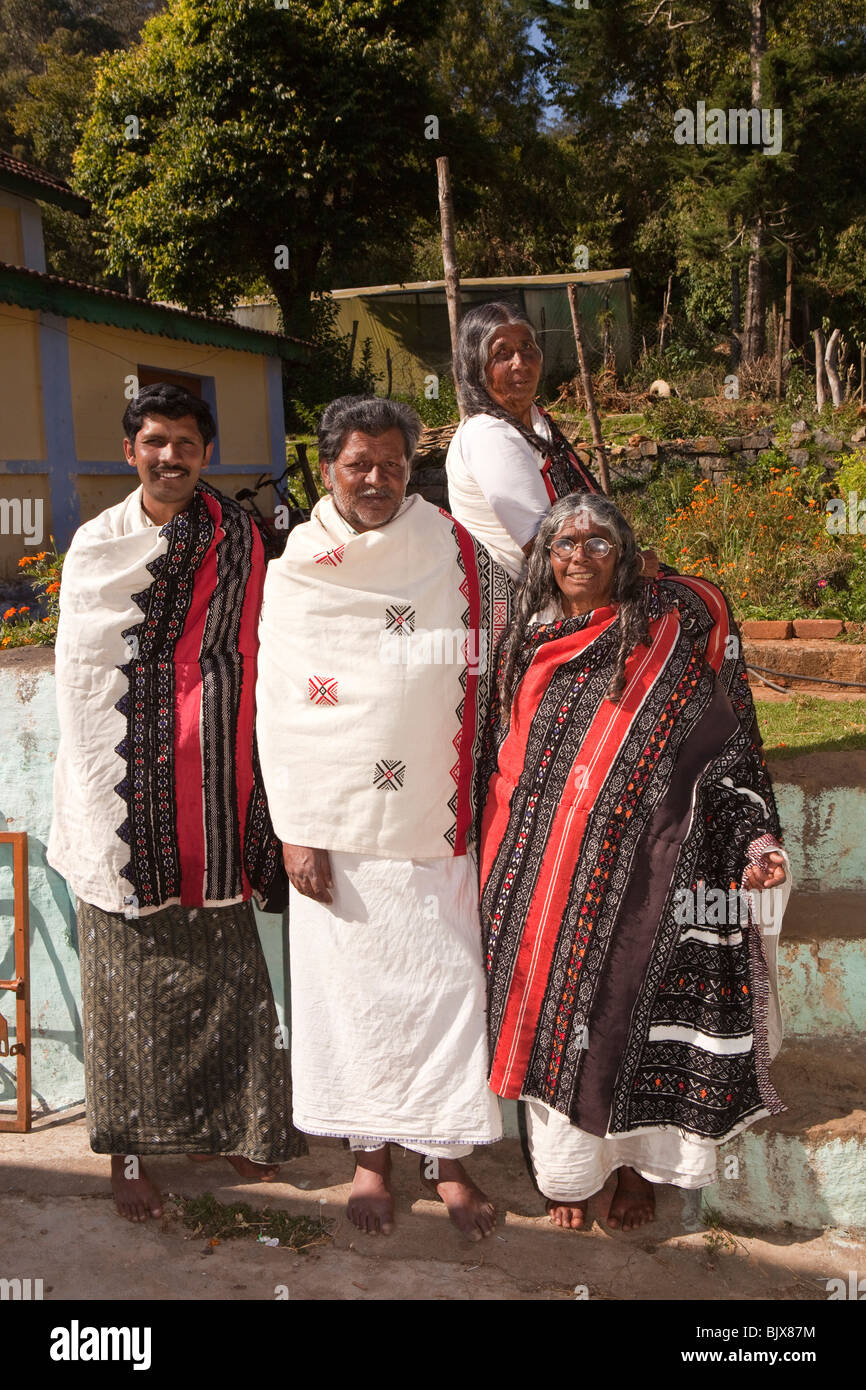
<point x="822" y="800"/>
<point x="30" y="735"/>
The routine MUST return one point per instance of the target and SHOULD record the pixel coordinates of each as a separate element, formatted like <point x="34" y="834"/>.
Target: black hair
<point x="173" y="402"/>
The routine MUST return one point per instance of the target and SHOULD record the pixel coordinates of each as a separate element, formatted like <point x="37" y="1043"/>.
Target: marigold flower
<point x="25" y="609"/>
<point x="53" y="588"/>
<point x="10" y="613"/>
<point x="25" y="560"/>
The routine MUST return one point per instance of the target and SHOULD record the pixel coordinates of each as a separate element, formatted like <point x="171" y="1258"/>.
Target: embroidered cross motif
<point x="399" y="618"/>
<point x="323" y="690"/>
<point x="389" y="773"/>
<point x="330" y="557"/>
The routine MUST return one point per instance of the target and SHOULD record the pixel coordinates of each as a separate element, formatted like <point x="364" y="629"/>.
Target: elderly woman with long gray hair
<point x="628" y="835"/>
<point x="508" y="461"/>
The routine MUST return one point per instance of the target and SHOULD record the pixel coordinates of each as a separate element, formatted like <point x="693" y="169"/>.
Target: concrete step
<point x="822" y="965"/>
<point x="810" y="657"/>
<point x="806" y="1168"/>
<point x="822" y="806"/>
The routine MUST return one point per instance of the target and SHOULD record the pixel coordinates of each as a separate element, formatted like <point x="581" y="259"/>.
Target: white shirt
<point x="495" y="485"/>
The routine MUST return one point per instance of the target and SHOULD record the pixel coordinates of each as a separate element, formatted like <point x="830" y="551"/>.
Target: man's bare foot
<point x="633" y="1203"/>
<point x="571" y="1215"/>
<point x="371" y="1205"/>
<point x="470" y="1209"/>
<point x="135" y="1196"/>
<point x="248" y="1168"/>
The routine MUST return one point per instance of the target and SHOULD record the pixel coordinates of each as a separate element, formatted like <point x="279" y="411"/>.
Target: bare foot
<point x="371" y="1205"/>
<point x="470" y="1209"/>
<point x="248" y="1168"/>
<point x="633" y="1203"/>
<point x="135" y="1195"/>
<point x="571" y="1215"/>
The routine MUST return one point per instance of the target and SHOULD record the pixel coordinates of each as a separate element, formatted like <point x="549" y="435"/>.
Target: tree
<point x="241" y="141"/>
<point x="620" y="71"/>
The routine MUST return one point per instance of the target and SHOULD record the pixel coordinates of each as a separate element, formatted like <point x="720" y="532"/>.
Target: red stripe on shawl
<point x="598" y="754"/>
<point x="715" y="601"/>
<point x="188" y="758"/>
<point x="512" y="754"/>
<point x="545" y="478"/>
<point x="248" y="645"/>
<point x="465" y="759"/>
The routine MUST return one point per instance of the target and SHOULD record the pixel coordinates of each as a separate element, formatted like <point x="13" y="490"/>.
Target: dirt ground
<point x="58" y="1224"/>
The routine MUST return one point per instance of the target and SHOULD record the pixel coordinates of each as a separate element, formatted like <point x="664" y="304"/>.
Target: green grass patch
<point x="213" y="1220"/>
<point x="809" y="724"/>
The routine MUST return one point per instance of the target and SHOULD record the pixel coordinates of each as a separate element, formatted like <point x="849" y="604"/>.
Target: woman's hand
<point x="650" y="564"/>
<point x="768" y="874"/>
<point x="309" y="871"/>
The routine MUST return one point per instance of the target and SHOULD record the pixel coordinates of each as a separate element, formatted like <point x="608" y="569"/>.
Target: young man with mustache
<point x="161" y="827"/>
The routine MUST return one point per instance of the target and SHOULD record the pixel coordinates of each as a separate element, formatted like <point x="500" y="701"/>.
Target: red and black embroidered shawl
<point x="197" y="822"/>
<point x="562" y="471"/>
<point x="598" y="817"/>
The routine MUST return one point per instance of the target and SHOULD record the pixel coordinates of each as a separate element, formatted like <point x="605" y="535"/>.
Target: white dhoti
<point x="571" y="1165"/>
<point x="389" y="1039"/>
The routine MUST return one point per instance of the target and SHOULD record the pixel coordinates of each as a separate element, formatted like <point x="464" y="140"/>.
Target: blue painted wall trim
<point x="58" y="423"/>
<point x="276" y="415"/>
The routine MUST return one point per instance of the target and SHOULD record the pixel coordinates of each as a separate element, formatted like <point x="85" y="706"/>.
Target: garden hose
<point x="794" y="676"/>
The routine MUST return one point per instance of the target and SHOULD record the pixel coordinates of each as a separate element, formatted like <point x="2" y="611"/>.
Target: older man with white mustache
<point x="369" y="738"/>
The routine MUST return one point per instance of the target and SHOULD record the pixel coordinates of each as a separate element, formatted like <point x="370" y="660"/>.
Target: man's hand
<point x="768" y="875"/>
<point x="309" y="871"/>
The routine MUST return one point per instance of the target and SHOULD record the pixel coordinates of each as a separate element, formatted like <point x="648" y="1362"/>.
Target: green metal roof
<point x="33" y="289"/>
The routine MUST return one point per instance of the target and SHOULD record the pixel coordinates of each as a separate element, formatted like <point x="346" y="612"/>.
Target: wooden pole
<point x="789" y="303"/>
<point x="830" y="366"/>
<point x="821" y="382"/>
<point x="664" y="322"/>
<point x="780" y="358"/>
<point x="586" y="379"/>
<point x="353" y="342"/>
<point x="449" y="256"/>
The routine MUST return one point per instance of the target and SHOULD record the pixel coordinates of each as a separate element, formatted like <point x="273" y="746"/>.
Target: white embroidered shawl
<point x="375" y="669"/>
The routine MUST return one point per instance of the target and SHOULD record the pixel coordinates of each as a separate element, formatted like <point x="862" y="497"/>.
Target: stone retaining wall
<point x="715" y="457"/>
<point x="711" y="456"/>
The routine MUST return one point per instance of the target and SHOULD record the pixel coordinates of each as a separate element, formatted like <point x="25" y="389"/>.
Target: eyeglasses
<point x="594" y="548"/>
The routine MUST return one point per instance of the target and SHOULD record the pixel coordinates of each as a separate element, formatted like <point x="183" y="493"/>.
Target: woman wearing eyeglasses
<point x="628" y="831"/>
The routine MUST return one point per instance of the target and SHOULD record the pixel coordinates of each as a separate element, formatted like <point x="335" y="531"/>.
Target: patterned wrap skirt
<point x="182" y="1046"/>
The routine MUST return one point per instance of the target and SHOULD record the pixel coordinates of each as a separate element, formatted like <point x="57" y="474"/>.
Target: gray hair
<point x="371" y="415"/>
<point x="476" y="333"/>
<point x="539" y="588"/>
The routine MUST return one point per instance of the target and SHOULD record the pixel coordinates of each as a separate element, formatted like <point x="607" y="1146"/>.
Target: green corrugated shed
<point x="408" y="324"/>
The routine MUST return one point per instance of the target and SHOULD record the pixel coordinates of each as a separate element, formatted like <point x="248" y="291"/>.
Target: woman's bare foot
<point x="470" y="1209"/>
<point x="135" y="1196"/>
<point x="571" y="1215"/>
<point x="371" y="1205"/>
<point x="248" y="1168"/>
<point x="633" y="1203"/>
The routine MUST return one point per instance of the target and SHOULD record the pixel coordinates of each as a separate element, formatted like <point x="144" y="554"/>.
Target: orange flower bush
<point x="24" y="626"/>
<point x="762" y="537"/>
